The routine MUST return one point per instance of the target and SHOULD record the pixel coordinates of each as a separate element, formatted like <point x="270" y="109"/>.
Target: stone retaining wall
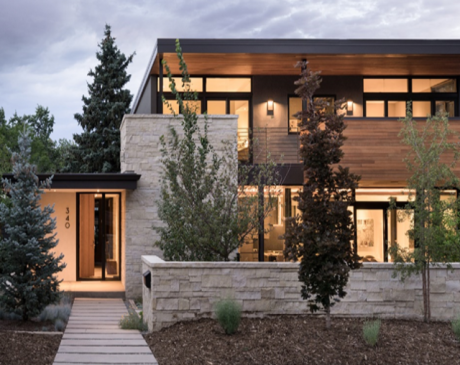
<point x="188" y="290"/>
<point x="140" y="152"/>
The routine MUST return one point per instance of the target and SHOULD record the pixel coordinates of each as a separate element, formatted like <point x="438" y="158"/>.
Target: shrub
<point x="456" y="327"/>
<point x="133" y="322"/>
<point x="55" y="312"/>
<point x="371" y="331"/>
<point x="228" y="313"/>
<point x="59" y="325"/>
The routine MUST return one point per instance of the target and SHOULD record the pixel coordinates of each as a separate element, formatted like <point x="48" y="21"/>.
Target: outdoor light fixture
<point x="350" y="105"/>
<point x="270" y="107"/>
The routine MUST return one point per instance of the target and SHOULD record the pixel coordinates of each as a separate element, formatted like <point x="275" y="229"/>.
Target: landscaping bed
<point x="26" y="348"/>
<point x="304" y="340"/>
<point x="16" y="325"/>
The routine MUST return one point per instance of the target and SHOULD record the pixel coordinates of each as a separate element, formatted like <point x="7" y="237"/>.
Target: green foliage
<point x="434" y="152"/>
<point x="45" y="153"/>
<point x="59" y="325"/>
<point x="371" y="331"/>
<point x="56" y="312"/>
<point x="321" y="235"/>
<point x="28" y="266"/>
<point x="205" y="209"/>
<point x="133" y="322"/>
<point x="456" y="327"/>
<point x="98" y="147"/>
<point x="228" y="314"/>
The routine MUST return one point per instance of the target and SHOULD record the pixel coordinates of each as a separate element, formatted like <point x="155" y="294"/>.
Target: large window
<point x="388" y="97"/>
<point x="295" y="106"/>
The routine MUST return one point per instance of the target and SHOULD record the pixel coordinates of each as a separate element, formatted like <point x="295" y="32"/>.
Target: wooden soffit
<point x="340" y="64"/>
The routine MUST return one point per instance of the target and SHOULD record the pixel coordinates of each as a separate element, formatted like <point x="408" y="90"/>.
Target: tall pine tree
<point x="27" y="263"/>
<point x="321" y="235"/>
<point x="98" y="147"/>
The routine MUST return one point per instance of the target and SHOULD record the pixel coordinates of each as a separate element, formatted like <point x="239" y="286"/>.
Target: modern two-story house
<point x="254" y="79"/>
<point x="246" y="86"/>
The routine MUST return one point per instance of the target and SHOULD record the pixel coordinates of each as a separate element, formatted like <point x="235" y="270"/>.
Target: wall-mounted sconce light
<point x="270" y="107"/>
<point x="350" y="107"/>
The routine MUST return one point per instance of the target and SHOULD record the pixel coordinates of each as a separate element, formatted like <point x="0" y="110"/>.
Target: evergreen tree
<point x="322" y="235"/>
<point x="98" y="147"/>
<point x="27" y="264"/>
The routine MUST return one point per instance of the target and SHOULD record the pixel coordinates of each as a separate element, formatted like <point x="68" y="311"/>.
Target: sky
<point x="47" y="47"/>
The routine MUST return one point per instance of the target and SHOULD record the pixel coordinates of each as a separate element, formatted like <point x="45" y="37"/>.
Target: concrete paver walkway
<point x="92" y="336"/>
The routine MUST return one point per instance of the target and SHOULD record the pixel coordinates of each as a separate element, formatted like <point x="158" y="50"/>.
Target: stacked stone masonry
<point x="188" y="290"/>
<point x="141" y="153"/>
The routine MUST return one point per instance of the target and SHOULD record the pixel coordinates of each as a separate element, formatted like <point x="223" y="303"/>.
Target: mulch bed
<point x="7" y="325"/>
<point x="288" y="340"/>
<point x="30" y="349"/>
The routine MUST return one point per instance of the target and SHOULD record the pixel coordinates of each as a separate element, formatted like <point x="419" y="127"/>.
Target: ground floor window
<point x="378" y="226"/>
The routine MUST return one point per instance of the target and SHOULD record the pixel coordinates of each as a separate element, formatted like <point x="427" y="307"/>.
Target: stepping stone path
<point x="92" y="336"/>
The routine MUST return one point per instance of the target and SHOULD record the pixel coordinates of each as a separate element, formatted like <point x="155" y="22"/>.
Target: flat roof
<point x="120" y="181"/>
<point x="366" y="57"/>
<point x="313" y="46"/>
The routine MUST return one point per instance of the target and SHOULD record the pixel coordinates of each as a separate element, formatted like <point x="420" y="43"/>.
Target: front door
<point x="98" y="236"/>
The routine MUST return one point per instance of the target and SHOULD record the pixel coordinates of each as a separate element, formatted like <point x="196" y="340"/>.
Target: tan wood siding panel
<point x="374" y="150"/>
<point x="86" y="235"/>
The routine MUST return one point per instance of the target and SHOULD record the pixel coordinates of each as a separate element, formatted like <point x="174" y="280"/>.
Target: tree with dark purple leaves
<point x="321" y="235"/>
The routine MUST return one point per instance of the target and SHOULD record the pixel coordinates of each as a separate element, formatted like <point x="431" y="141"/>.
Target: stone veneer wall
<point x="187" y="290"/>
<point x="140" y="152"/>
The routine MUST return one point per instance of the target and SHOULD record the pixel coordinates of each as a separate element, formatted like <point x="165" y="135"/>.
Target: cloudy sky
<point x="48" y="46"/>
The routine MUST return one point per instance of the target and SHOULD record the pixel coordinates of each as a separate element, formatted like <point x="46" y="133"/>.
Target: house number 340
<point x="67" y="218"/>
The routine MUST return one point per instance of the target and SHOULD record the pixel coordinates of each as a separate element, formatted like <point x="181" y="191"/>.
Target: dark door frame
<point x="385" y="207"/>
<point x="101" y="237"/>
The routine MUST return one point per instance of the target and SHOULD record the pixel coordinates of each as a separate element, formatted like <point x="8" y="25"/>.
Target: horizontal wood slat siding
<point x="374" y="150"/>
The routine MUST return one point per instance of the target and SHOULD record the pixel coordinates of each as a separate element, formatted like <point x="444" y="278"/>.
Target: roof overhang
<point x="366" y="57"/>
<point x="120" y="181"/>
<point x="332" y="57"/>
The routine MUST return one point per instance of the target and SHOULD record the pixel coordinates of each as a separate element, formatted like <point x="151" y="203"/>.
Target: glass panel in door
<point x="99" y="236"/>
<point x="370" y="234"/>
<point x="112" y="235"/>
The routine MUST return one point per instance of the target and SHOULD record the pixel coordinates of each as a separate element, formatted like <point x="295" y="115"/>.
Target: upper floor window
<point x="434" y="85"/>
<point x="295" y="106"/>
<point x="195" y="84"/>
<point x="385" y="85"/>
<point x="388" y="97"/>
<point x="228" y="84"/>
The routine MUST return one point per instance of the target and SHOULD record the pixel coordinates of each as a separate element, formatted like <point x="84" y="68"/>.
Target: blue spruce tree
<point x="27" y="264"/>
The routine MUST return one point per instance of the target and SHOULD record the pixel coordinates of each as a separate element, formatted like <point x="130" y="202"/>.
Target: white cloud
<point x="47" y="47"/>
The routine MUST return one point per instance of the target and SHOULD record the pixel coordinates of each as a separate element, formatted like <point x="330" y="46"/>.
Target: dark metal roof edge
<point x="318" y="46"/>
<point x="86" y="177"/>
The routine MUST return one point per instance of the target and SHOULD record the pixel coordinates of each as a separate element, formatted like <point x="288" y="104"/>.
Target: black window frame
<point x="410" y="96"/>
<point x="334" y="96"/>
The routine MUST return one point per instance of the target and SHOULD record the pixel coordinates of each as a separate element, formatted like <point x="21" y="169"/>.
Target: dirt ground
<point x="28" y="349"/>
<point x="7" y="325"/>
<point x="289" y="340"/>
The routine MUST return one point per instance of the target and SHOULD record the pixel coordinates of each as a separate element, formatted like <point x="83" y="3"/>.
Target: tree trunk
<point x="425" y="306"/>
<point x="428" y="310"/>
<point x="328" y="317"/>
